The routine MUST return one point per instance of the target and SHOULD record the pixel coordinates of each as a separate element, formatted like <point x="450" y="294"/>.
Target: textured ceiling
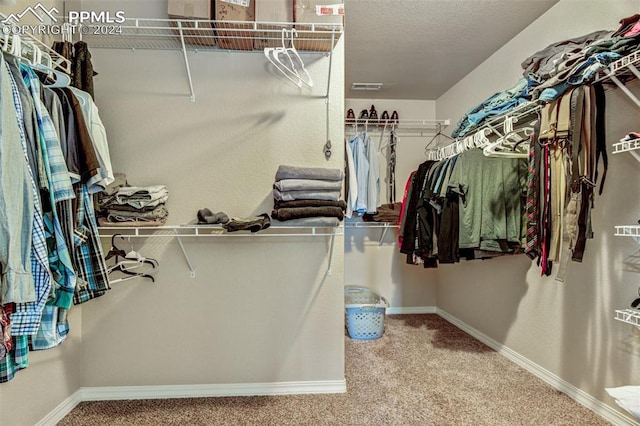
<point x="420" y="48"/>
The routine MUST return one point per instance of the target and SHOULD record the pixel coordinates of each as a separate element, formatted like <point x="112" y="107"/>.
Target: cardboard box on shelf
<point x="193" y="10"/>
<point x="230" y="35"/>
<point x="317" y="12"/>
<point x="272" y="11"/>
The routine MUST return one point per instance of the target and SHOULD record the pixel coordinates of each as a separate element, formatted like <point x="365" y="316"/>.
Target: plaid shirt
<point x="49" y="335"/>
<point x="61" y="189"/>
<point x="16" y="359"/>
<point x="26" y="317"/>
<point x="91" y="267"/>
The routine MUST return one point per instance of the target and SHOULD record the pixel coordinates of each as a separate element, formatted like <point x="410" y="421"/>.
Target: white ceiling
<point x="420" y="48"/>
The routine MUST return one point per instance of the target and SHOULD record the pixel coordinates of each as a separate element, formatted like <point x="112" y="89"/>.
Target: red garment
<point x="633" y="30"/>
<point x="5" y="329"/>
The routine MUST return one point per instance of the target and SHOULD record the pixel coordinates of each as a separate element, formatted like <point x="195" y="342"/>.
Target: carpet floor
<point x="423" y="371"/>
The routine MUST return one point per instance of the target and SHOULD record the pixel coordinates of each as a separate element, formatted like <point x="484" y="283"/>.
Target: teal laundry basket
<point x="364" y="313"/>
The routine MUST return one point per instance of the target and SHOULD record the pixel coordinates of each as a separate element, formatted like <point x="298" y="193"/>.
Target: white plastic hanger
<point x="514" y="143"/>
<point x="287" y="60"/>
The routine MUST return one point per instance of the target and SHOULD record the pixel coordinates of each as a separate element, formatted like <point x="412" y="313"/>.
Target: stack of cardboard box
<point x="231" y="35"/>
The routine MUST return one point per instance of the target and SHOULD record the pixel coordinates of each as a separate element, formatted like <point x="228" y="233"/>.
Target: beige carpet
<point x="423" y="371"/>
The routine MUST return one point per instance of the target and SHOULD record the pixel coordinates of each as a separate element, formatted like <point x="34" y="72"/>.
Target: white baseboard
<point x="189" y="391"/>
<point x="397" y="310"/>
<point x="553" y="380"/>
<point x="214" y="390"/>
<point x="61" y="410"/>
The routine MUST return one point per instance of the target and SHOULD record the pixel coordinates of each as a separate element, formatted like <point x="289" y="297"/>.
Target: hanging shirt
<point x="60" y="189"/>
<point x="361" y="164"/>
<point x="26" y="316"/>
<point x="98" y="136"/>
<point x="490" y="191"/>
<point x="373" y="177"/>
<point x="352" y="189"/>
<point x="16" y="204"/>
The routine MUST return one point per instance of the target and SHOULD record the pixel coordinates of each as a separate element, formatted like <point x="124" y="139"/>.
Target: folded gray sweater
<point x="307" y="185"/>
<point x="321" y="173"/>
<point x="306" y="195"/>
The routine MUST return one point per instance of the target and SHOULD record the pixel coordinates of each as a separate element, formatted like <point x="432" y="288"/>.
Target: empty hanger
<point x="130" y="263"/>
<point x="287" y="60"/>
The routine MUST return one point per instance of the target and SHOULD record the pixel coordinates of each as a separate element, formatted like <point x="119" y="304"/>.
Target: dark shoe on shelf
<point x="351" y="117"/>
<point x="384" y="119"/>
<point x="373" y="116"/>
<point x="394" y="117"/>
<point x="364" y="115"/>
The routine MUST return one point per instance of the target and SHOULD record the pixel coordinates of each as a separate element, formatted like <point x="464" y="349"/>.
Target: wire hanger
<point x="427" y="151"/>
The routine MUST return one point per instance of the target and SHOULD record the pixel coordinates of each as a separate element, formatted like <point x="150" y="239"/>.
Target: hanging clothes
<point x="56" y="154"/>
<point x="366" y="168"/>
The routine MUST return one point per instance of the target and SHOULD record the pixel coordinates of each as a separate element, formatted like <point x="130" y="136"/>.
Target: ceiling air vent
<point x="366" y="86"/>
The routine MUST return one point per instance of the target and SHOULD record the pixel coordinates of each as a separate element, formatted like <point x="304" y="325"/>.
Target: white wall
<point x="382" y="267"/>
<point x="567" y="328"/>
<point x="259" y="309"/>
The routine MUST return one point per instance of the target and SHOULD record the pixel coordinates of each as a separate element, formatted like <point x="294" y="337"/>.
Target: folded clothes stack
<point x="308" y="196"/>
<point x="234" y="224"/>
<point x="123" y="205"/>
<point x="389" y="213"/>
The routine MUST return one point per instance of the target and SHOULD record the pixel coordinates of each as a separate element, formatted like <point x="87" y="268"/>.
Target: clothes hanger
<point x="295" y="58"/>
<point x="114" y="251"/>
<point x="271" y="54"/>
<point x="292" y="63"/>
<point x="436" y="136"/>
<point x="61" y="79"/>
<point x="131" y="263"/>
<point x="285" y="59"/>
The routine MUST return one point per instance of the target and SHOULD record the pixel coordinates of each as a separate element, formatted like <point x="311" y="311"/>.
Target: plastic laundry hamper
<point x="364" y="313"/>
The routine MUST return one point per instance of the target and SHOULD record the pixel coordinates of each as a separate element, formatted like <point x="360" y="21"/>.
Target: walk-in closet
<point x="194" y="195"/>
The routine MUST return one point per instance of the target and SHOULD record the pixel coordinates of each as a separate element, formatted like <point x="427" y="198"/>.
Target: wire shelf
<point x="217" y="231"/>
<point x="627" y="231"/>
<point x="626" y="146"/>
<point x="165" y="34"/>
<point x="629" y="316"/>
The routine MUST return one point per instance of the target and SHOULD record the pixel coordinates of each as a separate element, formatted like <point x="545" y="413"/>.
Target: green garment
<point x="491" y="191"/>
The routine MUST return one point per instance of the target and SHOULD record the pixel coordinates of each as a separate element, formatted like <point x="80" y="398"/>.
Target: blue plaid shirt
<point x="60" y="189"/>
<point x="25" y="319"/>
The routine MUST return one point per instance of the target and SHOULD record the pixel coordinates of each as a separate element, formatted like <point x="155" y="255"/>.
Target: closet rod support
<point x="186" y="62"/>
<point x="382" y="234"/>
<point x="192" y="271"/>
<point x="625" y="90"/>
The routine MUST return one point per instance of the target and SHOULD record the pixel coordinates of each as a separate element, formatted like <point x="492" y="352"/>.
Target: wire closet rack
<point x="195" y="34"/>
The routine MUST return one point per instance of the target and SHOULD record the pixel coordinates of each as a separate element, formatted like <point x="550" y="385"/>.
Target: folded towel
<point x="308" y="221"/>
<point x="307" y="185"/>
<point x="294" y="172"/>
<point x="301" y="212"/>
<point x="306" y="195"/>
<point x="309" y="203"/>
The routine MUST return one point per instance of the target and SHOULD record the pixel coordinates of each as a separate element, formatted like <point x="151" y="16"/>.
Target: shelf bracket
<point x="382" y="234"/>
<point x="624" y="88"/>
<point x="186" y="61"/>
<point x="333" y="237"/>
<point x="184" y="253"/>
